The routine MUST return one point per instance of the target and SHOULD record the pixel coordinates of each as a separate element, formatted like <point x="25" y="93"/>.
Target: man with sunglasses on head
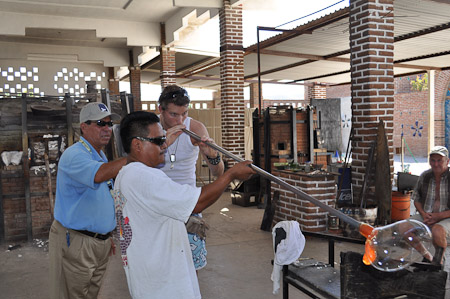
<point x="152" y="210"/>
<point x="79" y="241"/>
<point x="181" y="158"/>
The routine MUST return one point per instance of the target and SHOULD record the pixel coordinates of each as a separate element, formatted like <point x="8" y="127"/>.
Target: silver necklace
<point x="172" y="156"/>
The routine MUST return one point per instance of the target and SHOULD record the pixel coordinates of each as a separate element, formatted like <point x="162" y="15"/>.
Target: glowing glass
<point x="393" y="247"/>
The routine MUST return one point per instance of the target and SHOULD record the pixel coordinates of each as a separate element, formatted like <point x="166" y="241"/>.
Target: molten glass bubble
<point x="398" y="245"/>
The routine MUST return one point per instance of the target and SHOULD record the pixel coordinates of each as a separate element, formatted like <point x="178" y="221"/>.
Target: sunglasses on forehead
<point x="100" y="123"/>
<point x="157" y="140"/>
<point x="174" y="94"/>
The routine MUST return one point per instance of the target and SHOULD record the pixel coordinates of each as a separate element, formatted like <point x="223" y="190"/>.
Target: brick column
<point x="113" y="82"/>
<point x="318" y="92"/>
<point x="167" y="71"/>
<point x="315" y="92"/>
<point x="135" y="86"/>
<point x="372" y="75"/>
<point x="254" y="95"/>
<point x="232" y="79"/>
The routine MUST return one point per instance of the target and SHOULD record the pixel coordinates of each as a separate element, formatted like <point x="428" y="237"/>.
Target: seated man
<point x="431" y="201"/>
<point x="152" y="210"/>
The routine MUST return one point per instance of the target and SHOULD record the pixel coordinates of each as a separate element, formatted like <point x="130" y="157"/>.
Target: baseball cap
<point x="96" y="111"/>
<point x="439" y="150"/>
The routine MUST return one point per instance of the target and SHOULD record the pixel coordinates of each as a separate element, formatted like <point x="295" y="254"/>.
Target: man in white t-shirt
<point x="152" y="210"/>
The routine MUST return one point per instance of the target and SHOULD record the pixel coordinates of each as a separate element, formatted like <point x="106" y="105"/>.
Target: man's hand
<point x="205" y="149"/>
<point x="431" y="219"/>
<point x="242" y="170"/>
<point x="113" y="248"/>
<point x="173" y="133"/>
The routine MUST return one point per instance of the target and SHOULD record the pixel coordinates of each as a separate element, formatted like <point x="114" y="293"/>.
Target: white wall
<point x="43" y="76"/>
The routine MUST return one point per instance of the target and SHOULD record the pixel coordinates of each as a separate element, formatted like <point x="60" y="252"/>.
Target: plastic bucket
<point x="400" y="206"/>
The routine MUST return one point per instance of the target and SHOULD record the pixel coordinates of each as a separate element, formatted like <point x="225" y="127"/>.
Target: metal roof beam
<point x="422" y="32"/>
<point x="424" y="57"/>
<point x="307" y="28"/>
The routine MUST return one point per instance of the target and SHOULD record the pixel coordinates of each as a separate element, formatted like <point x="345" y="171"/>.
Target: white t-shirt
<point x="158" y="255"/>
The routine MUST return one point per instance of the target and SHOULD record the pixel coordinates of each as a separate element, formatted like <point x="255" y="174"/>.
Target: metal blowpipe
<point x="351" y="221"/>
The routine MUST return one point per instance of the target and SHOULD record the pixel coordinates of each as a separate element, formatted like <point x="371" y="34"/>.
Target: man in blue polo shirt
<point x="79" y="241"/>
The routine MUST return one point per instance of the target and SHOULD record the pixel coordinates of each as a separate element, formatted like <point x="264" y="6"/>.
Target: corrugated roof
<point x="416" y="45"/>
<point x="422" y="41"/>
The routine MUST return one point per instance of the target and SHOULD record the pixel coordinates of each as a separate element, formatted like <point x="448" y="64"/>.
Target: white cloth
<point x="159" y="256"/>
<point x="186" y="154"/>
<point x="288" y="250"/>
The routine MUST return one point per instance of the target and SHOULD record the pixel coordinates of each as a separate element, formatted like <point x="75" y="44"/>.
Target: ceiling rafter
<point x="340" y="59"/>
<point x="303" y="29"/>
<point x="333" y="56"/>
<point x="395" y="62"/>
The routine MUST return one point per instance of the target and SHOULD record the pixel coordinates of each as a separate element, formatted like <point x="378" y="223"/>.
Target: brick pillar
<point x="372" y="75"/>
<point x="232" y="79"/>
<point x="318" y="92"/>
<point x="113" y="82"/>
<point x="135" y="86"/>
<point x="307" y="94"/>
<point x="254" y="95"/>
<point x="167" y="71"/>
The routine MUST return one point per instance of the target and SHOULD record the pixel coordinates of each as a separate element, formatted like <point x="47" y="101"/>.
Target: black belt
<point x="94" y="235"/>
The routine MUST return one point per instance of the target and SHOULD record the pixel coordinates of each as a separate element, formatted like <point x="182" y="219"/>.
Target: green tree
<point x="421" y="83"/>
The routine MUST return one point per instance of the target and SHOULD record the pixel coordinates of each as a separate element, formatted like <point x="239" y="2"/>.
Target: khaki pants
<point x="76" y="271"/>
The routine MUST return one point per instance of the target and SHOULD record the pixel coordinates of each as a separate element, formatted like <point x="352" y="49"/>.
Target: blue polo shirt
<point x="80" y="203"/>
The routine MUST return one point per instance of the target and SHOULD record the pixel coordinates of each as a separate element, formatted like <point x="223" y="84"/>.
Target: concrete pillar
<point x="135" y="86"/>
<point x="372" y="78"/>
<point x="232" y="79"/>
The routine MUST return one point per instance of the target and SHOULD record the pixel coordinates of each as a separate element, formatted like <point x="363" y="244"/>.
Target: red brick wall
<point x="232" y="79"/>
<point x="411" y="106"/>
<point x="292" y="207"/>
<point x="14" y="206"/>
<point x="339" y="91"/>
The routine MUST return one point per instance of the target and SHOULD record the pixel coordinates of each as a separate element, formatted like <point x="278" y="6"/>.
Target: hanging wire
<point x="310" y="14"/>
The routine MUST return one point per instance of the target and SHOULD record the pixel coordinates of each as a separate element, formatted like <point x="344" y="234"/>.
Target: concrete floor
<point x="239" y="260"/>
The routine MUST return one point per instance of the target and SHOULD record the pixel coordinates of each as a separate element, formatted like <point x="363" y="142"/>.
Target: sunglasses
<point x="101" y="123"/>
<point x="174" y="94"/>
<point x="157" y="140"/>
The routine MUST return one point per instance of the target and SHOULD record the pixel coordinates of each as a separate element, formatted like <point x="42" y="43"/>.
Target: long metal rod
<point x="351" y="221"/>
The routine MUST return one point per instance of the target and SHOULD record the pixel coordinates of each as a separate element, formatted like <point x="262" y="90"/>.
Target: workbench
<point x="314" y="278"/>
<point x="356" y="280"/>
